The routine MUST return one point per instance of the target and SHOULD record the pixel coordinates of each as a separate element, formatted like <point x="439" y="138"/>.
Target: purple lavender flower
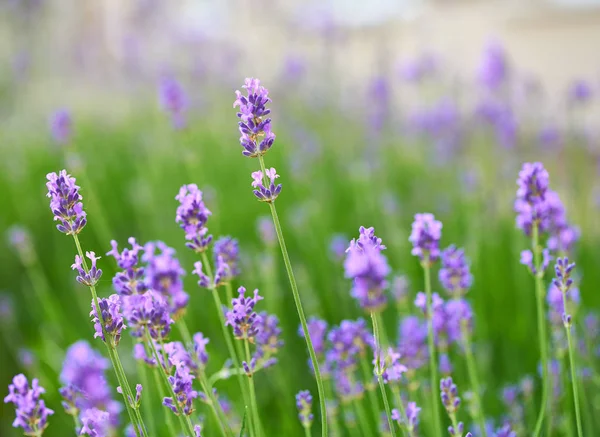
<point x="349" y="341"/>
<point x="531" y="205"/>
<point x="20" y="239"/>
<point x="61" y="126"/>
<point x="181" y="382"/>
<point x="242" y="318"/>
<point x="266" y="194"/>
<point x="413" y="342"/>
<point x="65" y="202"/>
<point x="254" y="126"/>
<point x="458" y="315"/>
<point x="389" y="366"/>
<point x="455" y="274"/>
<point x="112" y="319"/>
<point x="266" y="230"/>
<point x="268" y="339"/>
<point x="148" y="310"/>
<point x="425" y="237"/>
<point x="347" y="387"/>
<point x="337" y="247"/>
<point x="317" y="328"/>
<point x="399" y="289"/>
<point x="304" y="404"/>
<point x="174" y="101"/>
<point x="449" y="395"/>
<point x="192" y="215"/>
<point x="493" y="68"/>
<point x="505" y="431"/>
<point x="580" y="91"/>
<point x="95" y="423"/>
<point x="412" y="414"/>
<point x="87" y="278"/>
<point x="228" y="249"/>
<point x="131" y="279"/>
<point x="31" y="412"/>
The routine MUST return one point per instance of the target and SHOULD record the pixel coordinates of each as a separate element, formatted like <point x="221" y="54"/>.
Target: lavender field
<point x="198" y="243"/>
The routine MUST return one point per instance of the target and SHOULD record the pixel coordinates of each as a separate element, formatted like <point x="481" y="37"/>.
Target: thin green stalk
<point x="214" y="406"/>
<point x="335" y="427"/>
<point x="475" y="386"/>
<point x="298" y="303"/>
<point x="228" y="341"/>
<point x="122" y="379"/>
<point x="378" y="371"/>
<point x="146" y="405"/>
<point x="454" y="422"/>
<point x="307" y="432"/>
<point x="168" y="414"/>
<point x="398" y="399"/>
<point x="368" y="375"/>
<point x="135" y="409"/>
<point x="539" y="294"/>
<point x="77" y="424"/>
<point x="253" y="403"/>
<point x="361" y="417"/>
<point x="190" y="429"/>
<point x="572" y="365"/>
<point x="433" y="371"/>
<point x="185" y="332"/>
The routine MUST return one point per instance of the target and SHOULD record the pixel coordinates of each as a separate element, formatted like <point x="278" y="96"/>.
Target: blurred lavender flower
<point x="65" y="202"/>
<point x="266" y="194"/>
<point x="192" y="216"/>
<point x="254" y="125"/>
<point x="90" y="278"/>
<point x="493" y="68"/>
<point x="181" y="382"/>
<point x="418" y="69"/>
<point x="317" y="328"/>
<point x="112" y="319"/>
<point x="149" y="310"/>
<point x="579" y="91"/>
<point x="412" y="344"/>
<point x="268" y="340"/>
<point x="304" y="404"/>
<point x="349" y="342"/>
<point x="20" y="239"/>
<point x="173" y="100"/>
<point x="337" y="247"/>
<point x="425" y="237"/>
<point x="61" y="126"/>
<point x="458" y="315"/>
<point x="266" y="230"/>
<point x="550" y="137"/>
<point x="455" y="275"/>
<point x="131" y="279"/>
<point x="530" y="203"/>
<point x="228" y="249"/>
<point x="95" y="423"/>
<point x="31" y="411"/>
<point x="412" y="414"/>
<point x="399" y="289"/>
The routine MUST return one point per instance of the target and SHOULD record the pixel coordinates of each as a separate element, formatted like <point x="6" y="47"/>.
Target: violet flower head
<point x="564" y="283"/>
<point x="304" y="402"/>
<point x="399" y="288"/>
<point x="531" y="204"/>
<point x="95" y="423"/>
<point x="455" y="273"/>
<point x="199" y="349"/>
<point x="181" y="382"/>
<point x="580" y="91"/>
<point x="91" y="277"/>
<point x="228" y="249"/>
<point x="255" y="125"/>
<point x="528" y="261"/>
<point x="61" y="126"/>
<point x="242" y="318"/>
<point x="337" y="246"/>
<point x="349" y="341"/>
<point x="458" y="316"/>
<point x="449" y="395"/>
<point x="131" y="279"/>
<point x="112" y="319"/>
<point x="31" y="411"/>
<point x="149" y="310"/>
<point x="413" y="342"/>
<point x="425" y="237"/>
<point x="505" y="431"/>
<point x="493" y="68"/>
<point x="173" y="100"/>
<point x="412" y="415"/>
<point x="389" y="365"/>
<point x="192" y="216"/>
<point x="65" y="202"/>
<point x="268" y="339"/>
<point x="347" y="387"/>
<point x="271" y="191"/>
<point x="317" y="329"/>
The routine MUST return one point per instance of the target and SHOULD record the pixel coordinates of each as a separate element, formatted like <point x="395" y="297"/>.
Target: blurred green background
<point x="338" y="171"/>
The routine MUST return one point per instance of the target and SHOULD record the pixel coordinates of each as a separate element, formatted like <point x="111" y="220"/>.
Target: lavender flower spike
<point x="304" y="405"/>
<point x="31" y="411"/>
<point x="65" y="202"/>
<point x="266" y="194"/>
<point x="242" y="317"/>
<point x="425" y="237"/>
<point x="95" y="423"/>
<point x="192" y="215"/>
<point x="455" y="274"/>
<point x="228" y="248"/>
<point x="254" y="126"/>
<point x="111" y="315"/>
<point x="90" y="279"/>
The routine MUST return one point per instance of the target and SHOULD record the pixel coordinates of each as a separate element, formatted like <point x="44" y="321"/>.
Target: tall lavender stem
<point x="379" y="372"/>
<point x="539" y="294"/>
<point x="475" y="386"/>
<point x="252" y="390"/>
<point x="299" y="308"/>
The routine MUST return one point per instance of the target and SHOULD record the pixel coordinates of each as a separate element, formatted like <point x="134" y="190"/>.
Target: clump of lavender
<point x="304" y="404"/>
<point x="181" y="383"/>
<point x="451" y="402"/>
<point x="226" y="252"/>
<point x="192" y="216"/>
<point x="173" y="100"/>
<point x="61" y="126"/>
<point x="65" y="202"/>
<point x="131" y="279"/>
<point x="95" y="423"/>
<point x="31" y="411"/>
<point x="111" y="324"/>
<point x="455" y="275"/>
<point x="148" y="311"/>
<point x="255" y="127"/>
<point x="493" y="68"/>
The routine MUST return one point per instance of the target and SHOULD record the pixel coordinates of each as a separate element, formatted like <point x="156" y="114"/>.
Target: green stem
<point x="298" y="303"/>
<point x="572" y="365"/>
<point x="135" y="409"/>
<point x="454" y="422"/>
<point x="475" y="386"/>
<point x="400" y="403"/>
<point x="307" y="431"/>
<point x="168" y="415"/>
<point x="214" y="405"/>
<point x="146" y="405"/>
<point x="539" y="294"/>
<point x="190" y="429"/>
<point x="122" y="379"/>
<point x="361" y="417"/>
<point x="335" y="427"/>
<point x="77" y="424"/>
<point x="433" y="370"/>
<point x="378" y="367"/>
<point x="368" y="375"/>
<point x="229" y="342"/>
<point x="253" y="403"/>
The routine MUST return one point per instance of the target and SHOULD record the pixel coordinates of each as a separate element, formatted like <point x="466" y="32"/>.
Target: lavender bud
<point x="65" y="202"/>
<point x="254" y="126"/>
<point x="266" y="194"/>
<point x="304" y="404"/>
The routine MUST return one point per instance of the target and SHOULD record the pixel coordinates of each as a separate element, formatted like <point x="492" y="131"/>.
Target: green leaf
<point x="244" y="422"/>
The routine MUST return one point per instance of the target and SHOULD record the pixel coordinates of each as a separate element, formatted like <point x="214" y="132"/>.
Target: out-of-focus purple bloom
<point x="412" y="414"/>
<point x="7" y="309"/>
<point x="294" y="68"/>
<point x="91" y="277"/>
<point x="445" y="365"/>
<point x="269" y="193"/>
<point x="95" y="423"/>
<point x="304" y="404"/>
<point x="458" y="316"/>
<point x="266" y="230"/>
<point x="527" y="386"/>
<point x="449" y="395"/>
<point x="493" y="68"/>
<point x="348" y="388"/>
<point x="317" y="328"/>
<point x="399" y="288"/>
<point x="337" y="246"/>
<point x="420" y="68"/>
<point x="510" y="394"/>
<point x="550" y="137"/>
<point x="368" y="268"/>
<point x="425" y="237"/>
<point x="27" y="358"/>
<point x="131" y="279"/>
<point x="413" y="342"/>
<point x="505" y="431"/>
<point x="349" y="342"/>
<point x="390" y="367"/>
<point x="164" y="273"/>
<point x="31" y="412"/>
<point x="65" y="202"/>
<point x="181" y="382"/>
<point x="228" y="249"/>
<point x="20" y="239"/>
<point x="562" y="236"/>
<point x="580" y="91"/>
<point x="148" y="310"/>
<point x="112" y="319"/>
<point x="254" y="126"/>
<point x="192" y="215"/>
<point x="173" y="100"/>
<point x="61" y="126"/>
<point x="242" y="317"/>
<point x="268" y="340"/>
<point x="455" y="275"/>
